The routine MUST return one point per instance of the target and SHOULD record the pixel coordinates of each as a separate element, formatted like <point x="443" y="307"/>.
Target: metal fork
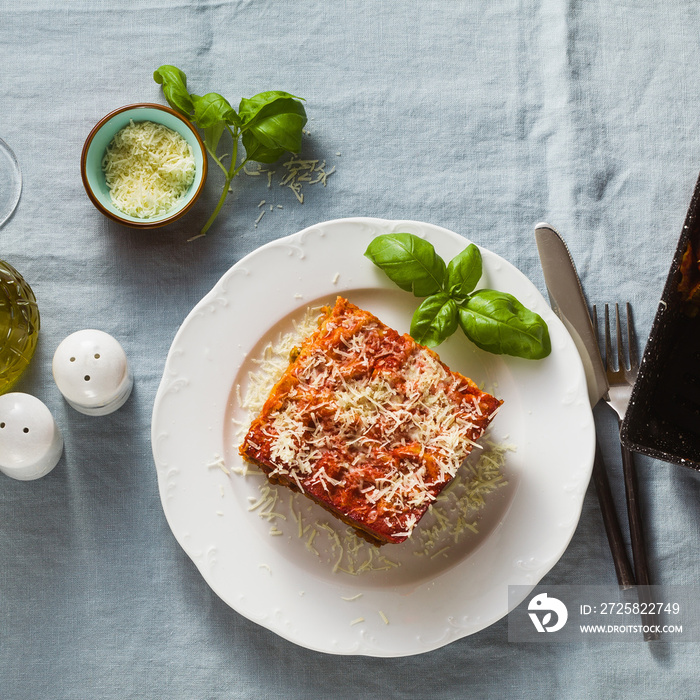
<point x="621" y="377"/>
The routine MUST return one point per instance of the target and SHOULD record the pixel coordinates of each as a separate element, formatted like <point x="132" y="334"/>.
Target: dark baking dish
<point x="663" y="418"/>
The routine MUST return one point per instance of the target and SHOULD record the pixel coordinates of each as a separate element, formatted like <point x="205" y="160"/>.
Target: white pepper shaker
<point x="30" y="442"/>
<point x="91" y="371"/>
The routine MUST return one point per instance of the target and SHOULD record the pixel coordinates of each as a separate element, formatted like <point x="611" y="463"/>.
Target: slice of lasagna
<point x="367" y="423"/>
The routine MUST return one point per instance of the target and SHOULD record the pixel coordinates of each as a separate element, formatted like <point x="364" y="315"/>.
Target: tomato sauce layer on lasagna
<point x="368" y="423"/>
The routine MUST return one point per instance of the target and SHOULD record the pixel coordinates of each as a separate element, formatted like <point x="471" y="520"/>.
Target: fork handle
<point x="634" y="514"/>
<point x="639" y="555"/>
<point x="623" y="568"/>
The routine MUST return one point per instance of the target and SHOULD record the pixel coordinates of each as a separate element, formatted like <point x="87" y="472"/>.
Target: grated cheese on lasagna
<point x="148" y="168"/>
<point x="367" y="423"/>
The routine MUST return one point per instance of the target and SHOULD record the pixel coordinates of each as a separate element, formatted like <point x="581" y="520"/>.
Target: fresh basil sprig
<point x="268" y="124"/>
<point x="494" y="321"/>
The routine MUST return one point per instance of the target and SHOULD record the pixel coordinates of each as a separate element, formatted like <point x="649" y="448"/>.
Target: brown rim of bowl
<point x="115" y="217"/>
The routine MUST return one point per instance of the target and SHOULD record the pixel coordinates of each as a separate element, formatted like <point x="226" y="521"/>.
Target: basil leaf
<point x="212" y="135"/>
<point x="212" y="108"/>
<point x="497" y="322"/>
<point x="256" y="151"/>
<point x="434" y="320"/>
<point x="251" y="106"/>
<point x="464" y="271"/>
<point x="174" y="84"/>
<point x="409" y="262"/>
<point x="276" y="119"/>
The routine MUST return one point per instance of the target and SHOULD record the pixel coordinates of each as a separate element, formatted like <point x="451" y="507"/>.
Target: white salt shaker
<point x="30" y="442"/>
<point x="91" y="371"/>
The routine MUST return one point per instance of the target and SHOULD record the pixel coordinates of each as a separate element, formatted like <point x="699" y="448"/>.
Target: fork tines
<point x="629" y="365"/>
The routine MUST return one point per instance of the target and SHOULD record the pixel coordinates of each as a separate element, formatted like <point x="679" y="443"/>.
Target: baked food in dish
<point x="367" y="423"/>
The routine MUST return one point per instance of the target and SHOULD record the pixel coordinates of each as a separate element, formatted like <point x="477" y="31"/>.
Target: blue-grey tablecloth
<point x="482" y="117"/>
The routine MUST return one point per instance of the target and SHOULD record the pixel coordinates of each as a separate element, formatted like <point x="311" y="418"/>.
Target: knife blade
<point x="569" y="304"/>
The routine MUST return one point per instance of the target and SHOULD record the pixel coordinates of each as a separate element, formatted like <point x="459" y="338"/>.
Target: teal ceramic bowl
<point x="101" y="136"/>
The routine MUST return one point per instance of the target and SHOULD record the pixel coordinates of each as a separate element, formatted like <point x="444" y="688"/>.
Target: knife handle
<point x="623" y="568"/>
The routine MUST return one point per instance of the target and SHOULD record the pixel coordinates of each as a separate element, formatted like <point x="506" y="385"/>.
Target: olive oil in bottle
<point x="19" y="325"/>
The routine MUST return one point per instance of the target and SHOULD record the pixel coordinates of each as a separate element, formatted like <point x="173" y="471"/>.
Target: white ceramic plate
<point x="278" y="581"/>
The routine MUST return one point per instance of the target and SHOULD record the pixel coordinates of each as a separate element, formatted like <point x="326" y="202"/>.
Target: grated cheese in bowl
<point x="148" y="169"/>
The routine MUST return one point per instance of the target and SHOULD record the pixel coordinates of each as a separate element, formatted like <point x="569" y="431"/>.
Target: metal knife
<point x="569" y="304"/>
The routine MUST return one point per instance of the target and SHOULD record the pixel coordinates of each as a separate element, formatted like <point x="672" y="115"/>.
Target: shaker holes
<point x="24" y="430"/>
